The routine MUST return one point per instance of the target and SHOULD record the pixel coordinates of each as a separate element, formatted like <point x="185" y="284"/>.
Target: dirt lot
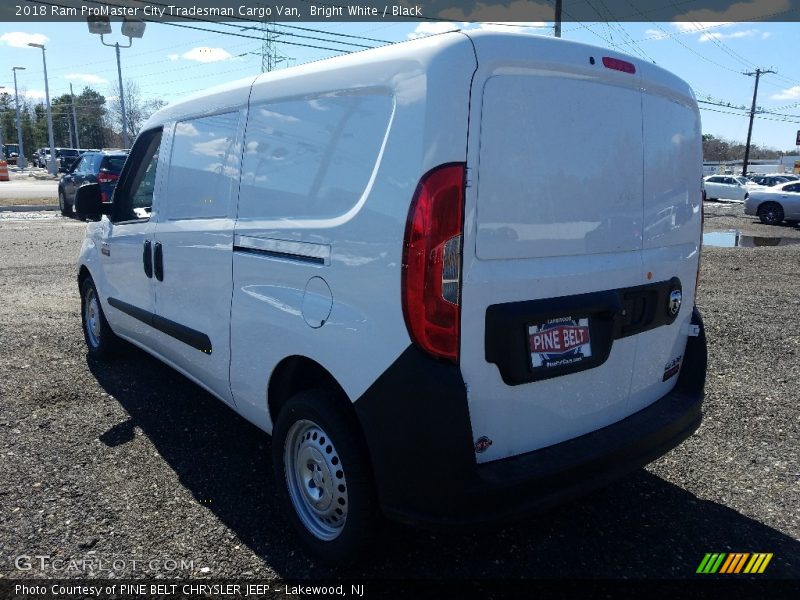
<point x="131" y="461"/>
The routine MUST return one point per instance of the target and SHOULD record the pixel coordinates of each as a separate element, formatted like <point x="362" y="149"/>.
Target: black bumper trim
<point x="416" y="424"/>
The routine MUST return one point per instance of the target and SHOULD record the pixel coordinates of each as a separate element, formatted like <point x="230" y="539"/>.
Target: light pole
<point x="51" y="163"/>
<point x="21" y="162"/>
<point x="2" y="143"/>
<point x="131" y="29"/>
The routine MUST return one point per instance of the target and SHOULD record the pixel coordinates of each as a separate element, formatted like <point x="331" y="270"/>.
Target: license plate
<point x="560" y="342"/>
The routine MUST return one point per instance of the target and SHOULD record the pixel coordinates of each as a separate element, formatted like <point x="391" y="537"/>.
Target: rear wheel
<point x="770" y="213"/>
<point x="323" y="478"/>
<point x="100" y="340"/>
<point x="66" y="209"/>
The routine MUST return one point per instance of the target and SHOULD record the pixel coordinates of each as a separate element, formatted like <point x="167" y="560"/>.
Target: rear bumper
<point x="417" y="430"/>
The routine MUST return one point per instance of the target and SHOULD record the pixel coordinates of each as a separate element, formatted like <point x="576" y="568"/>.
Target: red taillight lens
<point x="619" y="65"/>
<point x="431" y="275"/>
<point x="106" y="177"/>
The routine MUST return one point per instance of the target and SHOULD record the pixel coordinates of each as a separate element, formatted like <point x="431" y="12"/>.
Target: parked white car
<point x="725" y="187"/>
<point x="775" y="204"/>
<point x="378" y="260"/>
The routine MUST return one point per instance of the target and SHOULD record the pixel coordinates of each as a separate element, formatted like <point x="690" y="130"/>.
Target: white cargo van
<point x="389" y="262"/>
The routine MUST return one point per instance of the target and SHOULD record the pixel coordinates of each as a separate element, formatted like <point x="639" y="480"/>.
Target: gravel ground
<point x="130" y="461"/>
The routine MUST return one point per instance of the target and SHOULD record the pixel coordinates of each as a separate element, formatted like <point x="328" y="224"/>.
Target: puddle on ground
<point x="736" y="239"/>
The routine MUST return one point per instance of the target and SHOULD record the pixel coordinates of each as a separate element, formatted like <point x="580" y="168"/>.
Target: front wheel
<point x="100" y="340"/>
<point x="770" y="213"/>
<point x="323" y="479"/>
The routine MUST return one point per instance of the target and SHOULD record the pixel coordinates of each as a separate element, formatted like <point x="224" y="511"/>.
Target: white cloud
<point x="207" y="55"/>
<point x="518" y="9"/>
<point x="765" y="34"/>
<point x="173" y="56"/>
<point x="215" y="148"/>
<point x="85" y="77"/>
<point x="516" y="27"/>
<point x="186" y="129"/>
<point x="699" y="26"/>
<point x="19" y="39"/>
<point x="756" y="10"/>
<point x="792" y="93"/>
<point x="278" y="116"/>
<point x="718" y="35"/>
<point x="432" y="28"/>
<point x="34" y="94"/>
<point x="655" y="34"/>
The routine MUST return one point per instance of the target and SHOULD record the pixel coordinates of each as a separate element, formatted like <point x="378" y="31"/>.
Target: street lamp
<point x="100" y="25"/>
<point x="21" y="162"/>
<point x="51" y="162"/>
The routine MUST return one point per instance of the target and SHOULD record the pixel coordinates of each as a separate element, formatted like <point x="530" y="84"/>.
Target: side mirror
<point x="89" y="202"/>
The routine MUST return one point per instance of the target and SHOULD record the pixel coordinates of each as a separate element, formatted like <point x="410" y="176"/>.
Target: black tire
<point x="335" y="450"/>
<point x="63" y="206"/>
<point x="770" y="213"/>
<point x="101" y="341"/>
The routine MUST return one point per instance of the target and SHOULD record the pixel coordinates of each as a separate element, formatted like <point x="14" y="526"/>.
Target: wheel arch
<point x="298" y="373"/>
<point x="83" y="273"/>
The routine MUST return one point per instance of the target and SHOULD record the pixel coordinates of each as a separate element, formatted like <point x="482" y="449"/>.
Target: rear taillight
<point x="106" y="177"/>
<point x="431" y="274"/>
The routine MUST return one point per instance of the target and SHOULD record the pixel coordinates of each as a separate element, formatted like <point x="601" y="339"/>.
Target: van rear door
<point x="554" y="232"/>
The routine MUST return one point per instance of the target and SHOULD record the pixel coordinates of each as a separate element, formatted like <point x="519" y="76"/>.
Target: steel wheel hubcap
<point x="92" y="316"/>
<point x="315" y="480"/>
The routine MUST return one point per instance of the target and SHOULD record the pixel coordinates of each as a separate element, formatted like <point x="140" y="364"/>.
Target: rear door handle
<point x="158" y="257"/>
<point x="147" y="259"/>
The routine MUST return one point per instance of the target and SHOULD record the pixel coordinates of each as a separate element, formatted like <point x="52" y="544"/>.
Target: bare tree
<point x="137" y="109"/>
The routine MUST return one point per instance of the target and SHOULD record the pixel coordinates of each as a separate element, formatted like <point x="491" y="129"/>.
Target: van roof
<point x="294" y="80"/>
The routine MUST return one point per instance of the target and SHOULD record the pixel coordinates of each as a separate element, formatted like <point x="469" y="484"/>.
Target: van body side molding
<point x="187" y="335"/>
<point x="302" y="251"/>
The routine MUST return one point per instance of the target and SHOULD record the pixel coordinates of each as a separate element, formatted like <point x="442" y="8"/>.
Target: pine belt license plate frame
<point x="560" y="342"/>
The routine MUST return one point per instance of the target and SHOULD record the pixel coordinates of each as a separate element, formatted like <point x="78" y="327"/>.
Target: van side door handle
<point x="147" y="259"/>
<point x="158" y="257"/>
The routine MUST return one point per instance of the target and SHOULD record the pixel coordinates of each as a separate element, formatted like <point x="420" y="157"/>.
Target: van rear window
<point x="312" y="158"/>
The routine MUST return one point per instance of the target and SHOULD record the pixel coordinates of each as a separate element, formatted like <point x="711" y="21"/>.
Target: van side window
<point x="133" y="198"/>
<point x="204" y="168"/>
<point x="313" y="157"/>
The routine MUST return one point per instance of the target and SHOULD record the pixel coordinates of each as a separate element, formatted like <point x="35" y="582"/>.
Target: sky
<point x="169" y="62"/>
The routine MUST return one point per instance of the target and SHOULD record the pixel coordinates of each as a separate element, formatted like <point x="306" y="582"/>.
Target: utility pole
<point x="51" y="163"/>
<point x="74" y="117"/>
<point x="270" y="55"/>
<point x="558" y="19"/>
<point x="21" y="156"/>
<point x="758" y="73"/>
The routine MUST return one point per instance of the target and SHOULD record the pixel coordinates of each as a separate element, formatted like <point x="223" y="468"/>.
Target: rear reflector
<point x="431" y="273"/>
<point x="618" y="65"/>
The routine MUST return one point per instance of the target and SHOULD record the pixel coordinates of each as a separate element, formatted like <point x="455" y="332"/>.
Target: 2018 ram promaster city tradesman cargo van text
<point x="380" y="260"/>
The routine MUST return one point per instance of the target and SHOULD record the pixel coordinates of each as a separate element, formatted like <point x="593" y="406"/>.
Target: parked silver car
<point x="775" y="204"/>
